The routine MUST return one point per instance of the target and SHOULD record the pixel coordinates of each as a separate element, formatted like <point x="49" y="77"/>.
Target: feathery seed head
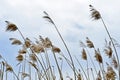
<point x="11" y="26"/>
<point x="89" y="43"/>
<point x="108" y="51"/>
<point x="33" y="58"/>
<point x="15" y="41"/>
<point x="37" y="48"/>
<point x="19" y="57"/>
<point x="94" y="13"/>
<point x="114" y="62"/>
<point x="84" y="55"/>
<point x="98" y="56"/>
<point x="27" y="43"/>
<point x="47" y="17"/>
<point x="110" y="74"/>
<point x="9" y="68"/>
<point x="22" y="51"/>
<point x="56" y="49"/>
<point x="47" y="43"/>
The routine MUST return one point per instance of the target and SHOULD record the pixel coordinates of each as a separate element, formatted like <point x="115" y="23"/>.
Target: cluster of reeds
<point x="34" y="62"/>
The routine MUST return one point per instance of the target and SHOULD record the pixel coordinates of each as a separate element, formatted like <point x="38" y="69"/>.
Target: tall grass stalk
<point x="92" y="74"/>
<point x="92" y="61"/>
<point x="3" y="67"/>
<point x="29" y="71"/>
<point x="117" y="57"/>
<point x="82" y="68"/>
<point x="88" y="70"/>
<point x="59" y="70"/>
<point x="16" y="75"/>
<point x="49" y="64"/>
<point x="51" y="21"/>
<point x="19" y="70"/>
<point x="41" y="66"/>
<point x="96" y="16"/>
<point x="6" y="75"/>
<point x="68" y="61"/>
<point x="43" y="61"/>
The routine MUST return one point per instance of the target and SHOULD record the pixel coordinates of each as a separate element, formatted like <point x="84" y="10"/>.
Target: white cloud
<point x="27" y="15"/>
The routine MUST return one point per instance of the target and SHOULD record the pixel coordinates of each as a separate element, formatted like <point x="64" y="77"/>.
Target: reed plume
<point x="51" y="21"/>
<point x="96" y="16"/>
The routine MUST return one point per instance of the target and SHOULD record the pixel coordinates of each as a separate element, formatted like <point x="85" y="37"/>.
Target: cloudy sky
<point x="72" y="18"/>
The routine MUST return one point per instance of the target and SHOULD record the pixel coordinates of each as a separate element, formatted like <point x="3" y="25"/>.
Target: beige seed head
<point x="94" y="13"/>
<point x="89" y="43"/>
<point x="9" y="68"/>
<point x="37" y="48"/>
<point x="15" y="41"/>
<point x="27" y="43"/>
<point x="11" y="26"/>
<point x="56" y="49"/>
<point x="114" y="62"/>
<point x="20" y="57"/>
<point x="98" y="57"/>
<point x="84" y="55"/>
<point x="108" y="51"/>
<point x="110" y="74"/>
<point x="33" y="58"/>
<point x="22" y="51"/>
<point x="47" y="43"/>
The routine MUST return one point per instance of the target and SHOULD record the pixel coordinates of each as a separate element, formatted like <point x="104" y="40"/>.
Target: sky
<point x="72" y="18"/>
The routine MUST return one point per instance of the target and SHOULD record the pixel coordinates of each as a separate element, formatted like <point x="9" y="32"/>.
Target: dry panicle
<point x="108" y="48"/>
<point x="98" y="56"/>
<point x="89" y="43"/>
<point x="110" y="74"/>
<point x="27" y="43"/>
<point x="25" y="75"/>
<point x="47" y="17"/>
<point x="46" y="43"/>
<point x="108" y="51"/>
<point x="114" y="62"/>
<point x="33" y="58"/>
<point x="94" y="13"/>
<point x="79" y="77"/>
<point x="15" y="41"/>
<point x="11" y="26"/>
<point x="19" y="58"/>
<point x="22" y="51"/>
<point x="56" y="49"/>
<point x="9" y="68"/>
<point x="37" y="48"/>
<point x="84" y="55"/>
